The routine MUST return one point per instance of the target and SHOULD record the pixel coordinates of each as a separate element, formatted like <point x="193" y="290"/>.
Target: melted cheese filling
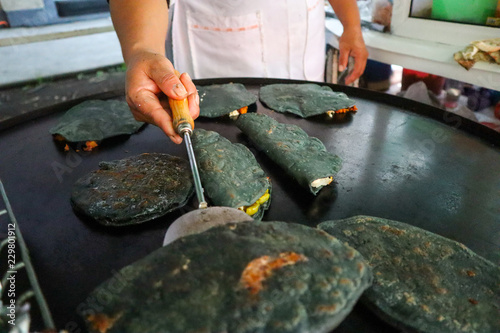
<point x="470" y="53"/>
<point x="236" y="113"/>
<point x="322" y="182"/>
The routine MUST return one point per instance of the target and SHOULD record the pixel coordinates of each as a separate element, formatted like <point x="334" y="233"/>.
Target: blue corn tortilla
<point x="229" y="172"/>
<point x="95" y="120"/>
<point x="423" y="282"/>
<point x="199" y="283"/>
<point x="219" y="100"/>
<point x="303" y="99"/>
<point x="302" y="157"/>
<point x="133" y="190"/>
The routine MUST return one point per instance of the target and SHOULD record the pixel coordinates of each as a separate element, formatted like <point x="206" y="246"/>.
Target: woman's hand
<point x="150" y="80"/>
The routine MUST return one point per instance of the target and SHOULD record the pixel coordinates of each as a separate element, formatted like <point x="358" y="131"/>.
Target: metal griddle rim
<point x="451" y="119"/>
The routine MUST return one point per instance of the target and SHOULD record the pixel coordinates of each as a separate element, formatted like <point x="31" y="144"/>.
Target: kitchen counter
<point x="429" y="57"/>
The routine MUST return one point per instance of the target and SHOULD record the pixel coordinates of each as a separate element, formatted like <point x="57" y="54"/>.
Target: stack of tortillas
<point x="481" y="50"/>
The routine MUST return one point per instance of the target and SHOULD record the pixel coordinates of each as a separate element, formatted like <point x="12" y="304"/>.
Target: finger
<point x="139" y="116"/>
<point x="193" y="98"/>
<point x="359" y="68"/>
<point x="194" y="105"/>
<point x="188" y="83"/>
<point x="343" y="58"/>
<point x="163" y="74"/>
<point x="164" y="102"/>
<point x="147" y="106"/>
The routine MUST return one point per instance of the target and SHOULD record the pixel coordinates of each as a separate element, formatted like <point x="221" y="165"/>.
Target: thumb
<point x="165" y="77"/>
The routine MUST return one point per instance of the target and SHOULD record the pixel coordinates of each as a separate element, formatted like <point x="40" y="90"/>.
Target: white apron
<point x="252" y="38"/>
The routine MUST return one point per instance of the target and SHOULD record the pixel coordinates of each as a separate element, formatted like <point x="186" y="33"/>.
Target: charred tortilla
<point x="222" y="99"/>
<point x="423" y="282"/>
<point x="305" y="99"/>
<point x="95" y="120"/>
<point x="241" y="277"/>
<point x="133" y="190"/>
<point x="230" y="174"/>
<point x="303" y="157"/>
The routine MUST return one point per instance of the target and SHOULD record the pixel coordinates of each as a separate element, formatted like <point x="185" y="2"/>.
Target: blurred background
<point x="412" y="45"/>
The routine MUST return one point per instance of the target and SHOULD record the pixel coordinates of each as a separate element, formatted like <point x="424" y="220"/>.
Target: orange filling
<point x="243" y="110"/>
<point x="259" y="269"/>
<point x="89" y="145"/>
<point x="352" y="108"/>
<point x="101" y="322"/>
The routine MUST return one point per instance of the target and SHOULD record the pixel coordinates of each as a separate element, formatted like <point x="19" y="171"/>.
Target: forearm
<point x="140" y="25"/>
<point x="348" y="13"/>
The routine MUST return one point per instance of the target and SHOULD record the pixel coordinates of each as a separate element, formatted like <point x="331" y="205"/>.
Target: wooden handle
<point x="180" y="111"/>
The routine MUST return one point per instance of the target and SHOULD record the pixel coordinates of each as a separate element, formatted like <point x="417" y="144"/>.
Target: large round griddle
<point x="402" y="160"/>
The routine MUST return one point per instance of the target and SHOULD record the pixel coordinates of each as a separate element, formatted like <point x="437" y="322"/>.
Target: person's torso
<point x="259" y="38"/>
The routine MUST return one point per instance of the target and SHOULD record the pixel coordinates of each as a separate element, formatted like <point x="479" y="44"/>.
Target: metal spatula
<point x="202" y="218"/>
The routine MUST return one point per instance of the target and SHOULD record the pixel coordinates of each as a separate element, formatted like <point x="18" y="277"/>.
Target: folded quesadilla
<point x="241" y="277"/>
<point x="95" y="120"/>
<point x="305" y="99"/>
<point x="230" y="174"/>
<point x="423" y="282"/>
<point x="133" y="190"/>
<point x="219" y="100"/>
<point x="487" y="50"/>
<point x="303" y="157"/>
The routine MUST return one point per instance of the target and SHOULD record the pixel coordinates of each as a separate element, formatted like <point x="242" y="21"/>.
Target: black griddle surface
<point x="402" y="160"/>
